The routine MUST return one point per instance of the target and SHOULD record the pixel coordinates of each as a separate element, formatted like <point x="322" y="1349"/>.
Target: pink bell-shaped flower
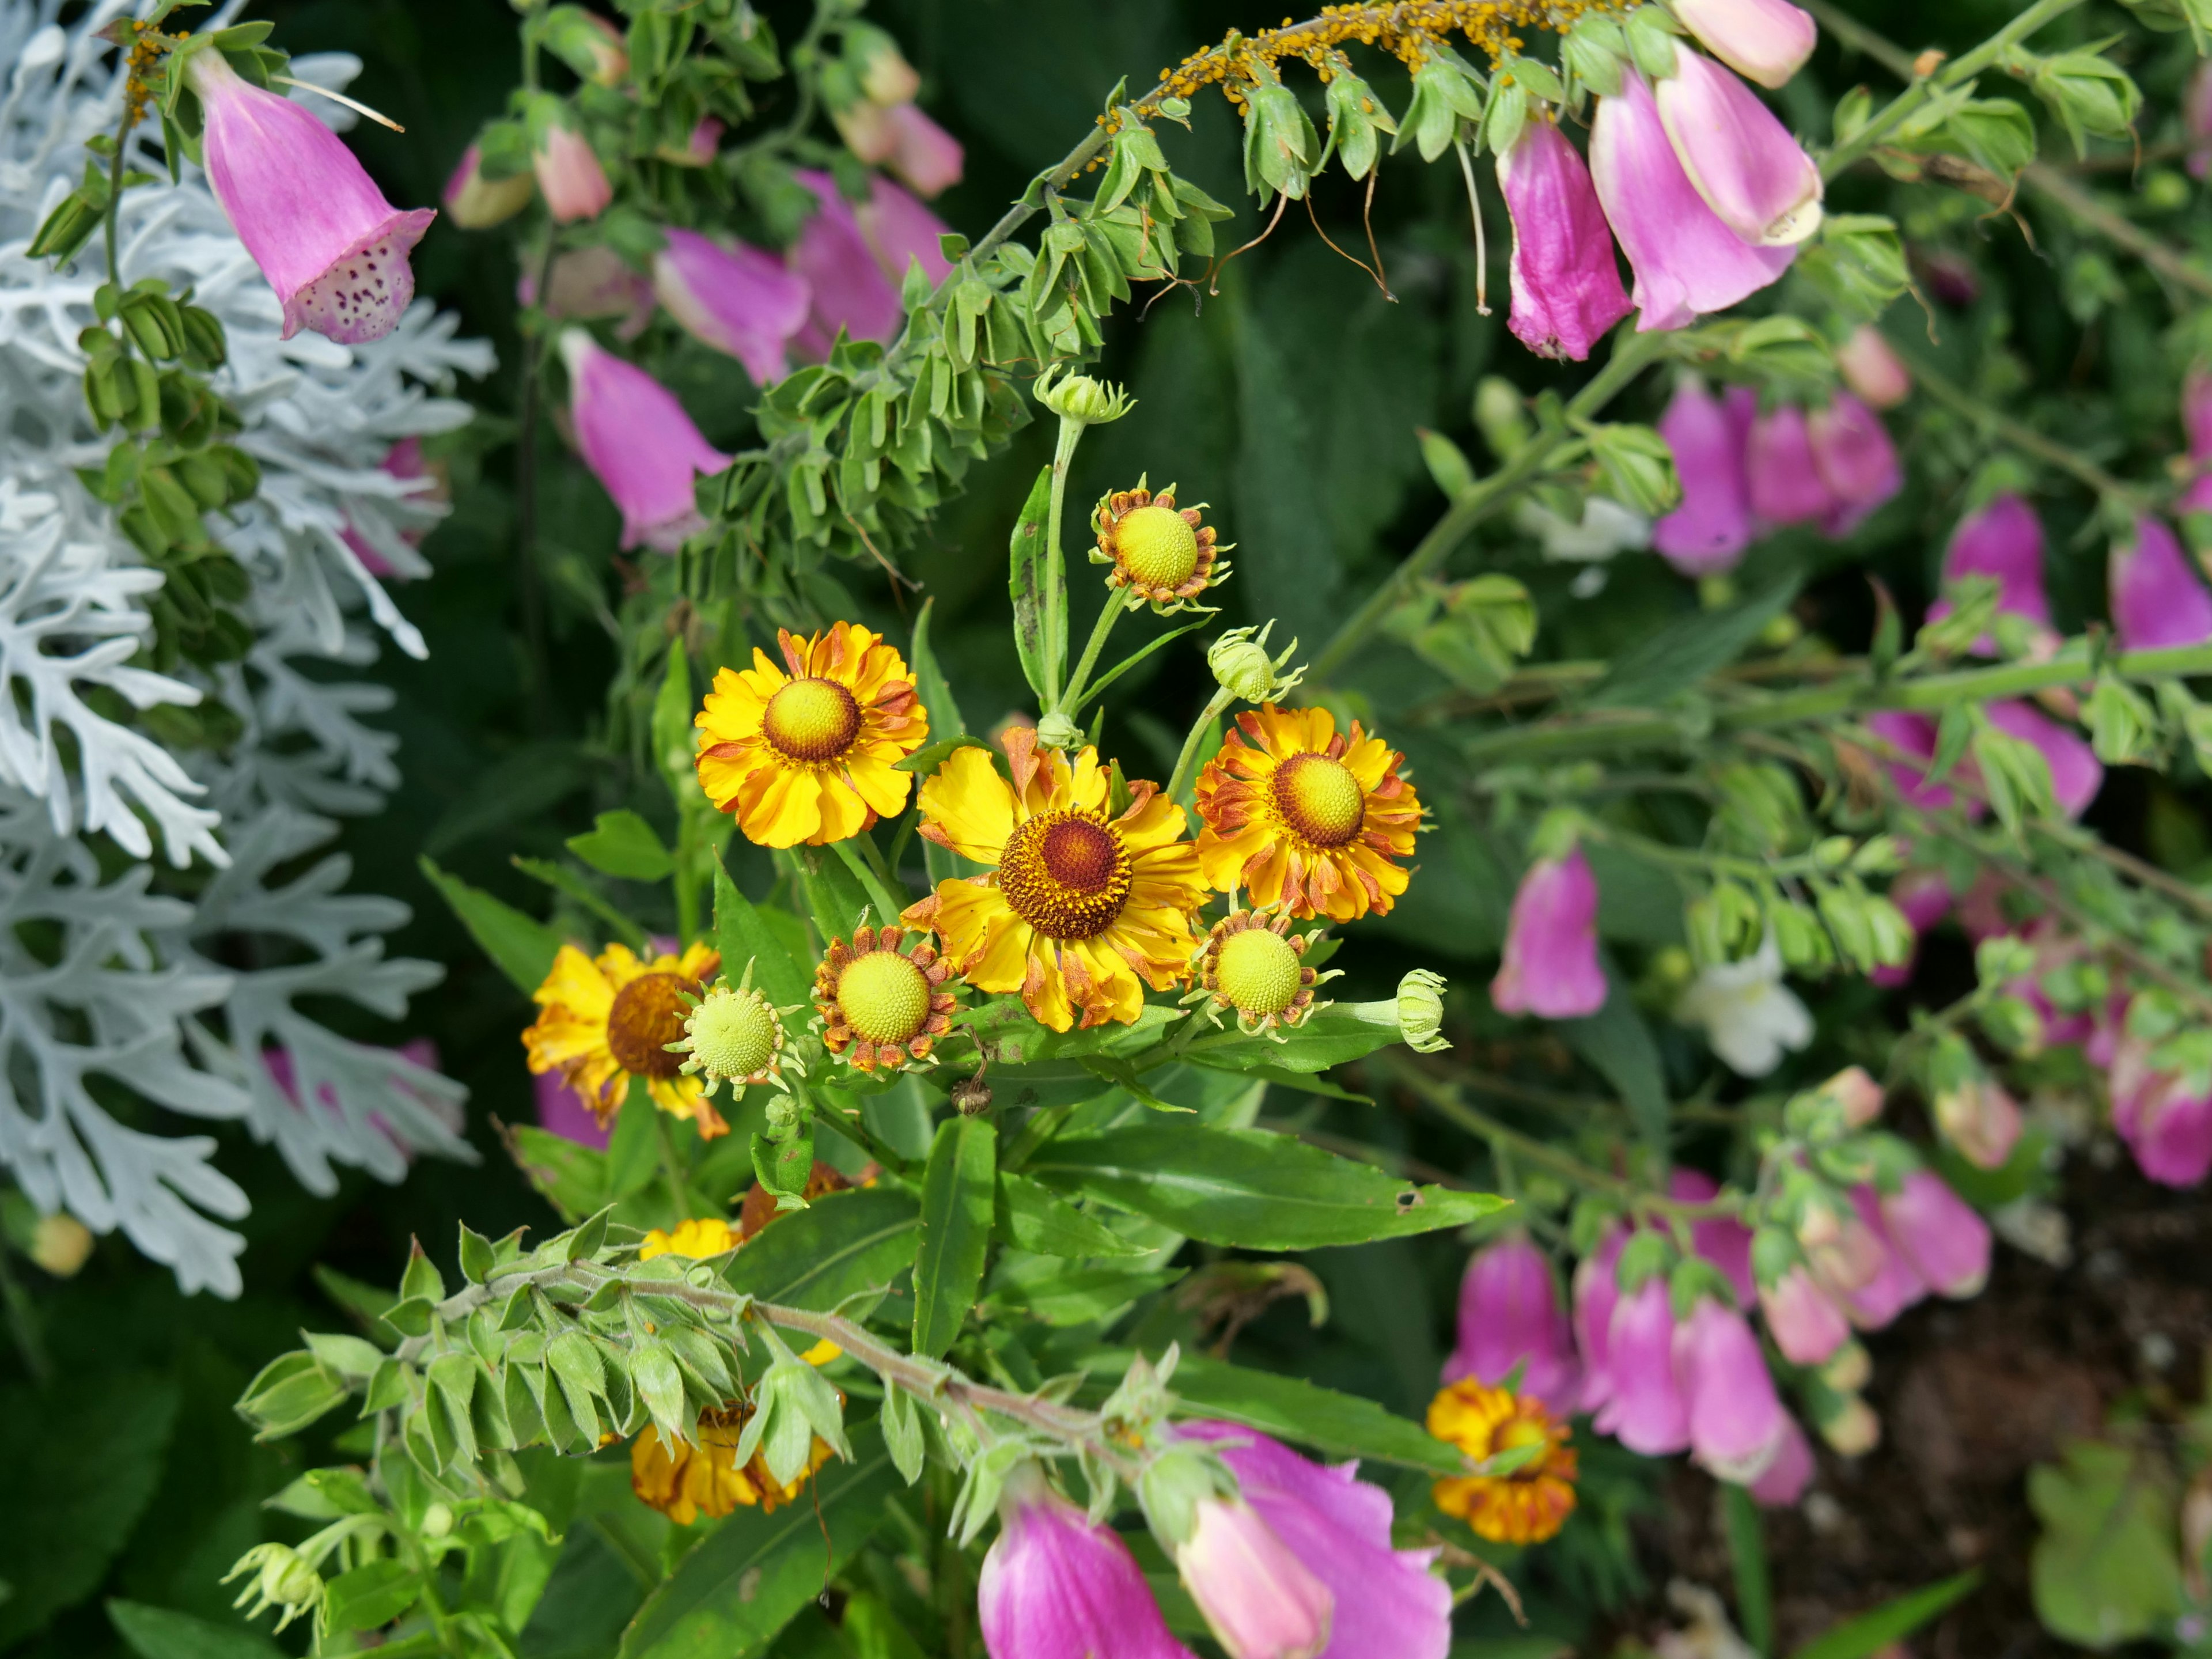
<point x="1911" y="734"/>
<point x="331" y="246"/>
<point x="1646" y="1411"/>
<point x="1939" y="1233"/>
<point x="1736" y="1421"/>
<point x="2076" y="774"/>
<point x="1260" y="1600"/>
<point x="1550" y="966"/>
<point x="735" y="298"/>
<point x="1054" y="1586"/>
<point x="848" y="285"/>
<point x="1597" y="1293"/>
<point x="2158" y="601"/>
<point x="1566" y="284"/>
<point x="1872" y="369"/>
<point x="1852" y="452"/>
<point x="1752" y="174"/>
<point x="900" y="229"/>
<point x="476" y="203"/>
<point x="1509" y="1316"/>
<point x="1721" y="1240"/>
<point x="588" y="283"/>
<point x="1707" y="534"/>
<point x="1764" y="40"/>
<point x="563" y="1112"/>
<point x="1980" y="1120"/>
<point x="1386" y="1603"/>
<point x="921" y="152"/>
<point x="1895" y="1286"/>
<point x="1786" y="486"/>
<point x="1805" y="1326"/>
<point x="636" y="437"/>
<point x="570" y="175"/>
<point x="1786" y="1477"/>
<point x="2003" y="540"/>
<point x="1684" y="260"/>
<point x="2171" y="1136"/>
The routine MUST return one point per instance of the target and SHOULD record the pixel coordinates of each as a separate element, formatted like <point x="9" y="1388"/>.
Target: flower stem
<point x="527" y="577"/>
<point x="679" y="1190"/>
<point x="1071" y="699"/>
<point x="1054" y="598"/>
<point x="1187" y="762"/>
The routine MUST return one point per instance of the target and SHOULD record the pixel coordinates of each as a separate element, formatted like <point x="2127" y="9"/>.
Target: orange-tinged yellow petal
<point x="882" y="788"/>
<point x="970" y="806"/>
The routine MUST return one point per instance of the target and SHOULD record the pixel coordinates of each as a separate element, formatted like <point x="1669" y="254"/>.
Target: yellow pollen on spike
<point x="1158" y="546"/>
<point x="811" y="720"/>
<point x="883" y="996"/>
<point x="1258" y="971"/>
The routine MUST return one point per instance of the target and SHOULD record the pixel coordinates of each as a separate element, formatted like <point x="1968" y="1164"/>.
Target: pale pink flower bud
<point x="1790" y="1473"/>
<point x="1597" y="1292"/>
<point x="1851" y="1427"/>
<point x="1786" y="486"/>
<point x="922" y="153"/>
<point x="1843" y="1252"/>
<point x="848" y="285"/>
<point x="900" y="230"/>
<point x="1852" y="452"/>
<point x="333" y="249"/>
<point x="1646" y="1411"/>
<point x="735" y="298"/>
<point x="1766" y="40"/>
<point x="588" y="284"/>
<point x="699" y="149"/>
<point x="1871" y="369"/>
<point x="1509" y="1316"/>
<point x="476" y="203"/>
<point x="1386" y="1603"/>
<point x="1736" y="1421"/>
<point x="1550" y="966"/>
<point x="886" y="77"/>
<point x="1684" y="260"/>
<point x="1259" y="1599"/>
<point x="1895" y="1286"/>
<point x="1981" y="1119"/>
<point x="1938" y="1231"/>
<point x="1805" y="1325"/>
<point x="867" y="131"/>
<point x="1566" y="285"/>
<point x="2004" y="540"/>
<point x="2076" y="775"/>
<point x="1707" y="534"/>
<point x="574" y="182"/>
<point x="636" y="437"/>
<point x="1742" y="160"/>
<point x="1055" y="1586"/>
<point x="1854" y="1088"/>
<point x="2158" y="599"/>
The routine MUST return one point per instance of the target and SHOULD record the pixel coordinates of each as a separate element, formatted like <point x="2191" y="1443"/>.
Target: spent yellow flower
<point x="1252" y="964"/>
<point x="698" y="1237"/>
<point x="1159" y="551"/>
<point x="1525" y="1505"/>
<point x="804" y="752"/>
<point x="685" y="1482"/>
<point x="883" y="1007"/>
<point x="609" y="1018"/>
<point x="1079" y="911"/>
<point x="1305" y="817"/>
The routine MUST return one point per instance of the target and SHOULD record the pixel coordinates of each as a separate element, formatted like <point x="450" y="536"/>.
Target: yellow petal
<point x="973" y="807"/>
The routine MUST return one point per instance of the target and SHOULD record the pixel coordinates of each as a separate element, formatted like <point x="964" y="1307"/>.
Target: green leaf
<point x="521" y="947"/>
<point x="956" y="1204"/>
<point x="372" y="1595"/>
<point x="163" y="1633"/>
<point x="1329" y="1036"/>
<point x="1754" y="1589"/>
<point x="1250" y="1187"/>
<point x="839" y="1246"/>
<point x="1032" y="1217"/>
<point x="1026" y="582"/>
<point x="929" y="681"/>
<point x="623" y="844"/>
<point x="1870" y="1632"/>
<point x="563" y="879"/>
<point x="834" y="896"/>
<point x="1616" y="1043"/>
<point x="572" y="1179"/>
<point x="742" y="935"/>
<point x="2105" y="1570"/>
<point x="1335" y="1424"/>
<point x="1066" y="1293"/>
<point x="1675" y="658"/>
<point x="749" y="1578"/>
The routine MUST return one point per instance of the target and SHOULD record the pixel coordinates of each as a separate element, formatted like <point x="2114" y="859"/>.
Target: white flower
<point x="1606" y="528"/>
<point x="1750" y="1016"/>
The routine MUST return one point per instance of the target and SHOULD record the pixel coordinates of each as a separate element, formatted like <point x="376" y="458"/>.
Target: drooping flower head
<point x="1736" y="1422"/>
<point x="2003" y="540"/>
<point x="1253" y="967"/>
<point x="1872" y="369"/>
<point x="1786" y="485"/>
<point x="1305" y="817"/>
<point x="887" y="1004"/>
<point x="848" y="289"/>
<point x="569" y="176"/>
<point x="639" y="443"/>
<point x="1912" y="735"/>
<point x="735" y="298"/>
<point x="1939" y="1233"/>
<point x="1857" y="461"/>
<point x="1055" y="1585"/>
<point x="1646" y="1411"/>
<point x="1707" y="534"/>
<point x="1526" y="1505"/>
<point x="476" y="203"/>
<point x="2158" y="601"/>
<point x="804" y="752"/>
<point x="1078" y="911"/>
<point x="403" y="460"/>
<point x="1805" y="1325"/>
<point x="900" y="231"/>
<point x="1259" y="1599"/>
<point x="1160" y="552"/>
<point x="685" y="1482"/>
<point x="607" y="1020"/>
<point x="1550" y="965"/>
<point x="1764" y="40"/>
<point x="1755" y="176"/>
<point x="1509" y="1317"/>
<point x="2076" y="774"/>
<point x="1566" y="285"/>
<point x="1894" y="1285"/>
<point x="921" y="152"/>
<point x="588" y="283"/>
<point x="333" y="249"/>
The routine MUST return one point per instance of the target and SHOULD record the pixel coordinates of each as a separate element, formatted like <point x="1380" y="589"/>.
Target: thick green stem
<point x="1054" y="598"/>
<point x="1071" y="699"/>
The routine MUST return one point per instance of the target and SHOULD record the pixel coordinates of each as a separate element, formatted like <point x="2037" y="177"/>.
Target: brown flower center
<point x="1320" y="798"/>
<point x="1066" y="874"/>
<point x="646" y="1016"/>
<point x="811" y="721"/>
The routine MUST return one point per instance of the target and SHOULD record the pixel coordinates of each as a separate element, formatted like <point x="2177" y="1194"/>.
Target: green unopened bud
<point x="437" y="1521"/>
<point x="1421" y="1011"/>
<point x="1242" y="667"/>
<point x="1057" y="730"/>
<point x="283" y="1578"/>
<point x="1082" y="400"/>
<point x="1502" y="413"/>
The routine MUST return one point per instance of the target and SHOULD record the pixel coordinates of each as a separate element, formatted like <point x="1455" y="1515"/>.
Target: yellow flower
<point x="807" y="756"/>
<point x="698" y="1237"/>
<point x="1303" y="816"/>
<point x="607" y="1020"/>
<point x="887" y="1005"/>
<point x="685" y="1482"/>
<point x="1078" y="906"/>
<point x="1253" y="965"/>
<point x="1532" y="1502"/>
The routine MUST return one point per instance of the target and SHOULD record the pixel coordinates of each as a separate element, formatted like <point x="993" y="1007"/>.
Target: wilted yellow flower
<point x="609" y="1019"/>
<point x="1158" y="551"/>
<point x="685" y="1482"/>
<point x="699" y="1235"/>
<point x="883" y="1007"/>
<point x="1525" y="1506"/>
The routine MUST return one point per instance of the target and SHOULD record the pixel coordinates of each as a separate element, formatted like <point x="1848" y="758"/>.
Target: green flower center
<point x="1258" y="971"/>
<point x="1157" y="546"/>
<point x="734" y="1033"/>
<point x="883" y="996"/>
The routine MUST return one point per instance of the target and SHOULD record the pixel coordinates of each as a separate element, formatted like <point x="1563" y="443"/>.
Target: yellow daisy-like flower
<point x="1305" y="817"/>
<point x="685" y="1482"/>
<point x="1158" y="551"/>
<point x="700" y="1237"/>
<point x="806" y="755"/>
<point x="611" y="1018"/>
<point x="1250" y="963"/>
<point x="1525" y="1506"/>
<point x="888" y="1006"/>
<point x="1078" y="908"/>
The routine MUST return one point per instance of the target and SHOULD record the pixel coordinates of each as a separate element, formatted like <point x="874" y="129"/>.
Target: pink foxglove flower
<point x="1852" y="452"/>
<point x="1923" y="897"/>
<point x="476" y="203"/>
<point x="1786" y="486"/>
<point x="1646" y="1411"/>
<point x="1566" y="284"/>
<point x="586" y="284"/>
<point x="2076" y="774"/>
<point x="2158" y="601"/>
<point x="1736" y="1421"/>
<point x="842" y="272"/>
<point x="331" y="246"/>
<point x="1765" y="41"/>
<point x="1509" y="1316"/>
<point x="922" y="153"/>
<point x="1388" y="1605"/>
<point x="1054" y="1586"/>
<point x="1871" y="369"/>
<point x="1597" y="1293"/>
<point x="2003" y="540"/>
<point x="1721" y="1240"/>
<point x="403" y="460"/>
<point x="900" y="229"/>
<point x="1709" y="532"/>
<point x="1939" y="1233"/>
<point x="1805" y="1325"/>
<point x="1895" y="1284"/>
<point x="1914" y="735"/>
<point x="1742" y="160"/>
<point x="735" y="298"/>
<point x="569" y="174"/>
<point x="1790" y="1473"/>
<point x="1684" y="260"/>
<point x="1260" y="1600"/>
<point x="2170" y="1134"/>
<point x="563" y="1112"/>
<point x="1980" y="1120"/>
<point x="637" y="439"/>
<point x="1550" y="966"/>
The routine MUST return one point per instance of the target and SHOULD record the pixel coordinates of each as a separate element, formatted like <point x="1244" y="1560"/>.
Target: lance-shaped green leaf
<point x="957" y="1193"/>
<point x="1333" y="1423"/>
<point x="742" y="933"/>
<point x="1329" y="1036"/>
<point x="520" y="946"/>
<point x="838" y="1247"/>
<point x="623" y="844"/>
<point x="1032" y="1217"/>
<point x="1026" y="582"/>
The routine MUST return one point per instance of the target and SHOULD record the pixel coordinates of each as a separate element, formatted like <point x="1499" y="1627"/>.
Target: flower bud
<point x="885" y="76"/>
<point x="1242" y="667"/>
<point x="1752" y="174"/>
<point x="587" y="43"/>
<point x="1872" y="370"/>
<point x="1981" y="1119"/>
<point x="1805" y="1325"/>
<point x="1082" y="401"/>
<point x="569" y="172"/>
<point x="1057" y="730"/>
<point x="1259" y="1599"/>
<point x="1421" y="1011"/>
<point x="1764" y="40"/>
<point x="2004" y="540"/>
<point x="476" y="203"/>
<point x="1851" y="1426"/>
<point x="1550" y="964"/>
<point x="1848" y="1369"/>
<point x="61" y="1244"/>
